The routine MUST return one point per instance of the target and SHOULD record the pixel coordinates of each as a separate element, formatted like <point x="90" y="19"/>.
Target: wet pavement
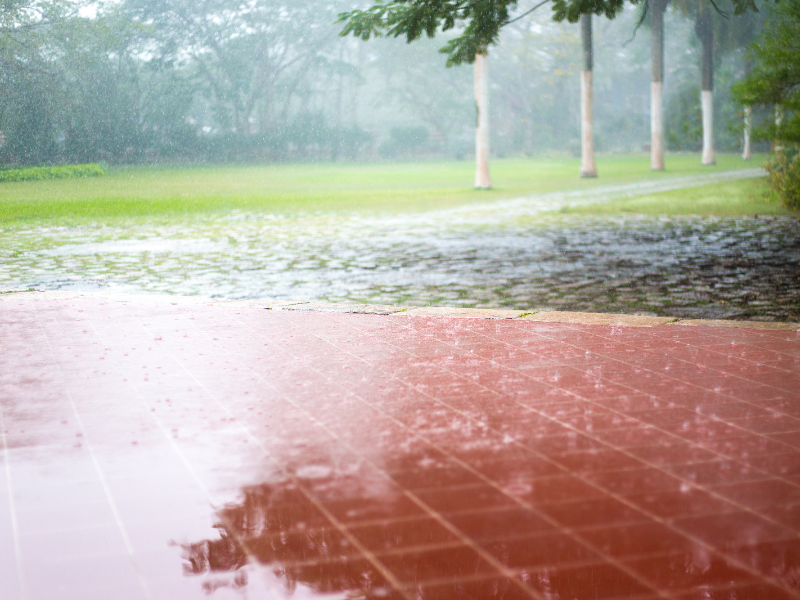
<point x="506" y="254"/>
<point x="168" y="448"/>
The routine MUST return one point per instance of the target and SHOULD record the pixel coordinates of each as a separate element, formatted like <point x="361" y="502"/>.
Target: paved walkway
<point x="163" y="448"/>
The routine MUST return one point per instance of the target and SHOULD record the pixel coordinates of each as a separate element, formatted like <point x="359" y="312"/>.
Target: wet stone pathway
<point x="698" y="267"/>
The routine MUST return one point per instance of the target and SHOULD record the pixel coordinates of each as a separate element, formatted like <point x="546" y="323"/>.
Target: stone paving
<point x="521" y="254"/>
<point x="742" y="268"/>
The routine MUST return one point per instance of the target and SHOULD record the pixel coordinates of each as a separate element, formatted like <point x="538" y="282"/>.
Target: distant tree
<point x="588" y="167"/>
<point x="774" y="79"/>
<point x="481" y="21"/>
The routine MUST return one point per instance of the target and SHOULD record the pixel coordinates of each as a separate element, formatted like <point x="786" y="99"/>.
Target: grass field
<point x="746" y="197"/>
<point x="147" y="192"/>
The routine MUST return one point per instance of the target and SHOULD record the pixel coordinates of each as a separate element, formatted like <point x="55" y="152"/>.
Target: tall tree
<point x="483" y="21"/>
<point x="657" y="8"/>
<point x="774" y="80"/>
<point x="588" y="167"/>
<point x="704" y="27"/>
<point x="482" y="179"/>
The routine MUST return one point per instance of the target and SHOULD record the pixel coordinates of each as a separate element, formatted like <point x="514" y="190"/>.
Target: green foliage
<point x="783" y="176"/>
<point x="479" y="21"/>
<point x="775" y="79"/>
<point x="61" y="172"/>
<point x="403" y="141"/>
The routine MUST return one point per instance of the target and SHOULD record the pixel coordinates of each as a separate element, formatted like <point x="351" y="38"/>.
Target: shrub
<point x="62" y="172"/>
<point x="783" y="175"/>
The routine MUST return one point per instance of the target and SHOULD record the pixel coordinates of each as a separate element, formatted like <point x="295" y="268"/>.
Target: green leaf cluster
<point x="775" y="79"/>
<point x="783" y="176"/>
<point x="480" y="21"/>
<point x="61" y="172"/>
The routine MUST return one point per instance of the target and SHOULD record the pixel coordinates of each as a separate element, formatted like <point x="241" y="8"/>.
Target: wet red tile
<point x="755" y="494"/>
<point x="695" y="568"/>
<point x="429" y="565"/>
<point x="481" y="589"/>
<point x="716" y="472"/>
<point x="395" y="535"/>
<point x="588" y="582"/>
<point x="685" y="502"/>
<point x="636" y="539"/>
<point x="547" y="549"/>
<point x="600" y="461"/>
<point x="592" y="513"/>
<point x="341" y="403"/>
<point x="733" y="529"/>
<point x="453" y="500"/>
<point x="634" y="482"/>
<point x="501" y="523"/>
<point x="788" y="515"/>
<point x="755" y="591"/>
<point x="351" y="576"/>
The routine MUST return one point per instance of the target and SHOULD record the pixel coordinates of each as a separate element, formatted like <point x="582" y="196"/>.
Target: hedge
<point x="62" y="172"/>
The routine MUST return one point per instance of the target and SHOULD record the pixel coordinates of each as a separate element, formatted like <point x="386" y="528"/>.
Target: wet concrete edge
<point x="539" y="315"/>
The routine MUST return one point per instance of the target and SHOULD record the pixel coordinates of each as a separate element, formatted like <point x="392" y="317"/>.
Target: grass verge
<point x="148" y="192"/>
<point x="745" y="197"/>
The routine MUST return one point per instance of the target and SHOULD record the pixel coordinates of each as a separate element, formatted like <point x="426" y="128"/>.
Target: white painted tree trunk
<point x="657" y="86"/>
<point x="747" y="152"/>
<point x="588" y="167"/>
<point x="482" y="179"/>
<point x="707" y="104"/>
<point x="657" y="126"/>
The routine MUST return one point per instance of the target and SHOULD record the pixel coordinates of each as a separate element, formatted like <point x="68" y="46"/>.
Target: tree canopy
<point x="775" y="78"/>
<point x="479" y="21"/>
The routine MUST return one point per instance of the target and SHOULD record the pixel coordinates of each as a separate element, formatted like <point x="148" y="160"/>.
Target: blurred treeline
<point x="259" y="80"/>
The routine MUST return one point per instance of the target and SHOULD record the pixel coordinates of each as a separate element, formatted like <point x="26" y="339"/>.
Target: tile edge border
<point x="537" y="315"/>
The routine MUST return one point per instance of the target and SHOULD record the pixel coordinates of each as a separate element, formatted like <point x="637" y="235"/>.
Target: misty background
<point x="142" y="81"/>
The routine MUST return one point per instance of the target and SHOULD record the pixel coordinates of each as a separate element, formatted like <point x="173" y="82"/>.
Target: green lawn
<point x="147" y="192"/>
<point x="746" y="197"/>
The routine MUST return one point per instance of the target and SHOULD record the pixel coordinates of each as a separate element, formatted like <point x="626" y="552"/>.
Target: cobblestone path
<point x="501" y="255"/>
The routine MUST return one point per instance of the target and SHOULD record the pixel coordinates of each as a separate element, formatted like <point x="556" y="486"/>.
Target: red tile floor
<point x="168" y="451"/>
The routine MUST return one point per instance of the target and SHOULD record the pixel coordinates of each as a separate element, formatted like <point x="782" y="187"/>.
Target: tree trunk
<point x="747" y="152"/>
<point x="777" y="145"/>
<point x="588" y="167"/>
<point x="482" y="179"/>
<point x="705" y="31"/>
<point x="657" y="87"/>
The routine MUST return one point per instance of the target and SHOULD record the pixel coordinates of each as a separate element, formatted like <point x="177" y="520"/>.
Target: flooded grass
<point x="407" y="235"/>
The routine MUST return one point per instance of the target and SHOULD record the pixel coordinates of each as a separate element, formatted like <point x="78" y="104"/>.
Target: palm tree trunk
<point x="588" y="167"/>
<point x="657" y="87"/>
<point x="482" y="179"/>
<point x="705" y="30"/>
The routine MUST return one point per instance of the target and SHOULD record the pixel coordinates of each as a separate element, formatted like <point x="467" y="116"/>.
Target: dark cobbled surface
<point x="702" y="267"/>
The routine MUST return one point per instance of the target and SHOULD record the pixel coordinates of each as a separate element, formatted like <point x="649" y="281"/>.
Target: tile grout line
<point x="185" y="462"/>
<point x="654" y="352"/>
<point x="109" y="497"/>
<point x="493" y="484"/>
<point x="366" y="553"/>
<point x="665" y="431"/>
<point x="612" y="494"/>
<point x="502" y="569"/>
<point x="12" y="512"/>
